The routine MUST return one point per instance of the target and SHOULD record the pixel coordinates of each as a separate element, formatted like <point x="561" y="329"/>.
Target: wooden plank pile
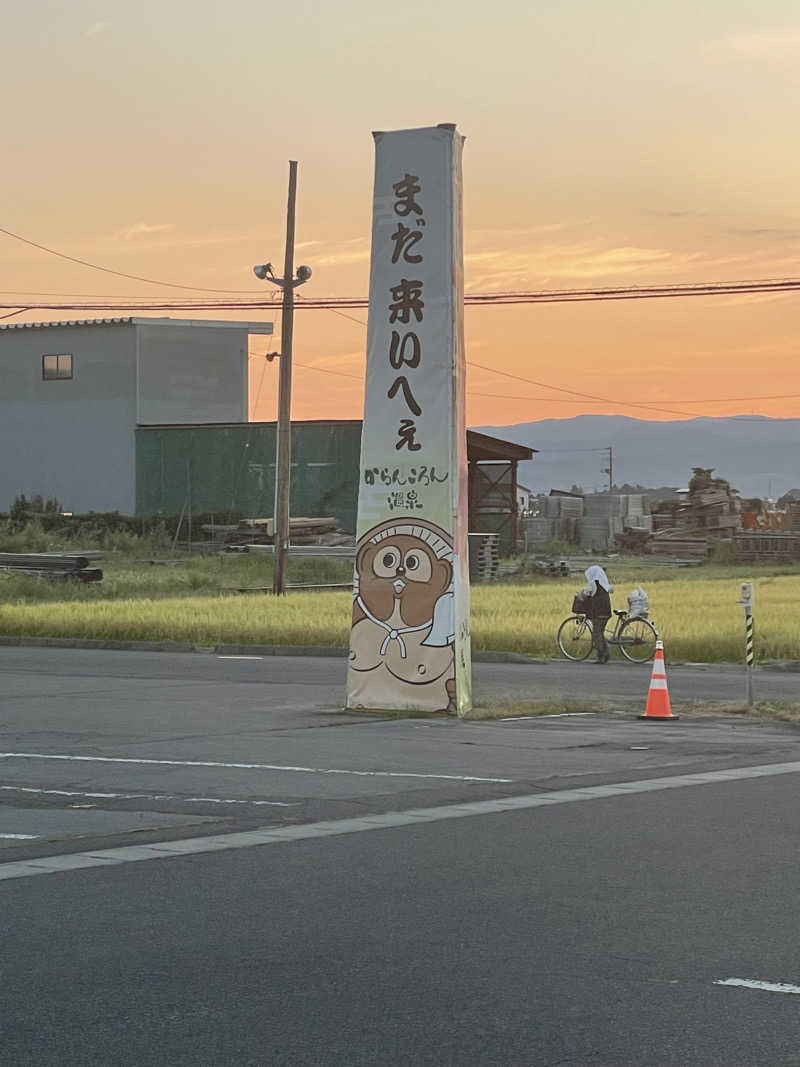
<point x="302" y="531"/>
<point x="711" y="513"/>
<point x="53" y="565"/>
<point x="712" y="509"/>
<point x="675" y="544"/>
<point x="766" y="546"/>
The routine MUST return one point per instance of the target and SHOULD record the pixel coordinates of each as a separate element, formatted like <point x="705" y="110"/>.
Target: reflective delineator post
<point x="658" y="707"/>
<point x="747" y="598"/>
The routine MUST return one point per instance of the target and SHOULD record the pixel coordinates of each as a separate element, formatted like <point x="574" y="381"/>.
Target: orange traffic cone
<point x="658" y="708"/>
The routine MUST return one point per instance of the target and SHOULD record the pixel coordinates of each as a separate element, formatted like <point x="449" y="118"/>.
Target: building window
<point x="56" y="367"/>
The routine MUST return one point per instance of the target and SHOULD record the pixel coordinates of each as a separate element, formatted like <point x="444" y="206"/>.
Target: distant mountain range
<point x="759" y="456"/>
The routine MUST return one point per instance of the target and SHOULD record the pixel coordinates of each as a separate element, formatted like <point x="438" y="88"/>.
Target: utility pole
<point x="283" y="443"/>
<point x="609" y="470"/>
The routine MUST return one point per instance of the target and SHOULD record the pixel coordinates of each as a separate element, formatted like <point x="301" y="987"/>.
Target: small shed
<point x="493" y="500"/>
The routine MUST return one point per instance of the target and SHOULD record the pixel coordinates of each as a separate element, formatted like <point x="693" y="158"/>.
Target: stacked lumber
<point x="53" y="565"/>
<point x="766" y="545"/>
<point x="302" y="531"/>
<point x="680" y="546"/>
<point x="712" y="506"/>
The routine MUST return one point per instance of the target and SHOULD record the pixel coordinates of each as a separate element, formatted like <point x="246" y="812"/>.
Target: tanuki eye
<point x="418" y="566"/>
<point x="386" y="563"/>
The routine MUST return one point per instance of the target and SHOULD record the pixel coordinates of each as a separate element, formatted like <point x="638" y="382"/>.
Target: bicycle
<point x="634" y="636"/>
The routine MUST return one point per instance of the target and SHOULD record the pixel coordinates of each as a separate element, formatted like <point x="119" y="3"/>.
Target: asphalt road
<point x="438" y="929"/>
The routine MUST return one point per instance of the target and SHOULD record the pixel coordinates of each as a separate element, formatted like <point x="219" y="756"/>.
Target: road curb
<point x="787" y="666"/>
<point x="91" y="643"/>
<point x="226" y="650"/>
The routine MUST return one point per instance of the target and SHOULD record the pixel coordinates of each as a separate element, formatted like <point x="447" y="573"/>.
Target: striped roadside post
<point x="747" y="600"/>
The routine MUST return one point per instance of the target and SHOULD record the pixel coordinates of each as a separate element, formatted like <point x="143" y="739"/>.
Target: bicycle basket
<point x="581" y="603"/>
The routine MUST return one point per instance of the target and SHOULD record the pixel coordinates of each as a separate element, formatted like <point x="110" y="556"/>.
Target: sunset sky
<point x="607" y="144"/>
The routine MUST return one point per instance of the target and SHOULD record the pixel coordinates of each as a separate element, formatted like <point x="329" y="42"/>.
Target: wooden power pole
<point x="283" y="453"/>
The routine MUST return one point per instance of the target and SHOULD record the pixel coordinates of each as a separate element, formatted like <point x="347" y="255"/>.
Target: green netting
<point x="207" y="468"/>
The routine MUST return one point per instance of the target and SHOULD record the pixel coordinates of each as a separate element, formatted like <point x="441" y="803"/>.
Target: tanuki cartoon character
<point x="401" y="642"/>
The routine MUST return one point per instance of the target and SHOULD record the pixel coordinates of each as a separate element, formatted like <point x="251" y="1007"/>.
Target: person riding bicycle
<point x="598" y="590"/>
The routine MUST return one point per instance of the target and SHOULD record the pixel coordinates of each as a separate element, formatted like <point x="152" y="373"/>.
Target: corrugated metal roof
<point x="69" y="322"/>
<point x="252" y="327"/>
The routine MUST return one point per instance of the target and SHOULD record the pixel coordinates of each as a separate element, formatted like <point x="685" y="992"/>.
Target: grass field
<point x="695" y="610"/>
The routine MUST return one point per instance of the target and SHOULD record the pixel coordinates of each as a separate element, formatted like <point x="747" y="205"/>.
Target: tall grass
<point x="698" y="618"/>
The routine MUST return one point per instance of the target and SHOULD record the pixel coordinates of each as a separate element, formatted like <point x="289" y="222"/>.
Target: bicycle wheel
<point x="637" y="640"/>
<point x="575" y="637"/>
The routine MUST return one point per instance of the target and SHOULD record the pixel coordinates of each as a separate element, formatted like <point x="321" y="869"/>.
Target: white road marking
<point x="246" y="766"/>
<point x="539" y="718"/>
<point x="142" y="796"/>
<point x="240" y="657"/>
<point x="273" y="835"/>
<point x="751" y="983"/>
<point x="19" y="837"/>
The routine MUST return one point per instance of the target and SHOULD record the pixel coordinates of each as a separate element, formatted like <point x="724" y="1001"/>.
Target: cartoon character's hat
<point x="434" y="536"/>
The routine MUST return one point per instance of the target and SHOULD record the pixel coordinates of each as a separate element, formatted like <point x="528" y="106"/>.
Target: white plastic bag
<point x="638" y="604"/>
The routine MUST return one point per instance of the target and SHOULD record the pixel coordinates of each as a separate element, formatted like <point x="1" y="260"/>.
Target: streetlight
<point x="283" y="457"/>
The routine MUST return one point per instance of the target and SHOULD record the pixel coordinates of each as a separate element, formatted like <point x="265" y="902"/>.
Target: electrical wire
<point x="583" y="396"/>
<point x="706" y="400"/>
<point x="475" y="300"/>
<point x="323" y="370"/>
<point x="648" y="292"/>
<point x="117" y="273"/>
<point x="258" y="391"/>
<point x="335" y="304"/>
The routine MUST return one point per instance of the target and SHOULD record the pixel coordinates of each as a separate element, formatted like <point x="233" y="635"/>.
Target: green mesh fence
<point x="206" y="468"/>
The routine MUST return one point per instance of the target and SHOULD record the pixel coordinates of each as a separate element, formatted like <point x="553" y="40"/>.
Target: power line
<point x="563" y="400"/>
<point x="335" y="304"/>
<point x="117" y="273"/>
<point x="595" y="293"/>
<point x="706" y="400"/>
<point x="474" y="300"/>
<point x="339" y="374"/>
<point x="583" y="396"/>
<point x="341" y="314"/>
<point x="321" y="370"/>
<point x="260" y="384"/>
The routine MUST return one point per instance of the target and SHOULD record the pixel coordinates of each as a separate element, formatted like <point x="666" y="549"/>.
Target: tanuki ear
<point x="444" y="568"/>
<point x="361" y="557"/>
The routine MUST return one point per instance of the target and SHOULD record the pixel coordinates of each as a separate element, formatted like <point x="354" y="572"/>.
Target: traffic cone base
<point x="658" y="707"/>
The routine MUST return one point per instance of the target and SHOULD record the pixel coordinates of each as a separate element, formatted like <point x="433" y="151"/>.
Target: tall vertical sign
<point x="409" y="641"/>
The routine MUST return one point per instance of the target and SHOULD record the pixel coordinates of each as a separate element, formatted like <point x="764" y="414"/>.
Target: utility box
<point x="747" y="594"/>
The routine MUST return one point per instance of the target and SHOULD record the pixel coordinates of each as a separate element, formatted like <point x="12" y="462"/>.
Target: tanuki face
<point x="403" y="568"/>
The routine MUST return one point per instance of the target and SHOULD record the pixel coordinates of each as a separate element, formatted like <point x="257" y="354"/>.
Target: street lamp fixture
<point x="264" y="271"/>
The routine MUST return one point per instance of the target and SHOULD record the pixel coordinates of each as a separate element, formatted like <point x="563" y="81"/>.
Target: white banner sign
<point x="409" y="642"/>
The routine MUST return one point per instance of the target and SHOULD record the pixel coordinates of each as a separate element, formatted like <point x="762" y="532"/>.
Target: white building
<point x="73" y="394"/>
<point x="524" y="500"/>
